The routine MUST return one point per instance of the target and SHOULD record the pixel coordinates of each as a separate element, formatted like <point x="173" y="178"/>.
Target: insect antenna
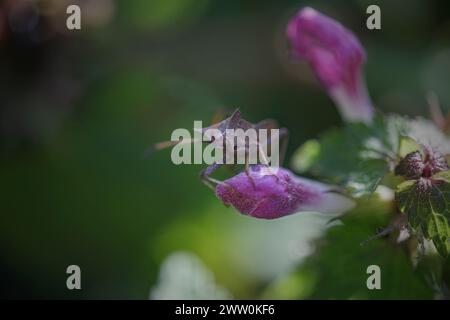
<point x="166" y="144"/>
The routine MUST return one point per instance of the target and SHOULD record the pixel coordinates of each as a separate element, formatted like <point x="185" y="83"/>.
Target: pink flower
<point x="268" y="194"/>
<point x="337" y="57"/>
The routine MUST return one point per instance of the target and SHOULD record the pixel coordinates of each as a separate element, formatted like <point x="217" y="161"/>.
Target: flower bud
<point x="269" y="193"/>
<point x="337" y="57"/>
<point x="434" y="162"/>
<point x="411" y="166"/>
<point x="416" y="165"/>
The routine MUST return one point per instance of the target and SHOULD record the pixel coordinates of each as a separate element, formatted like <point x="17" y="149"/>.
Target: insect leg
<point x="205" y="175"/>
<point x="247" y="171"/>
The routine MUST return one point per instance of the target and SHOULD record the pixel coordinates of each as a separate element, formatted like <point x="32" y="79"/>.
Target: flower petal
<point x="337" y="57"/>
<point x="273" y="193"/>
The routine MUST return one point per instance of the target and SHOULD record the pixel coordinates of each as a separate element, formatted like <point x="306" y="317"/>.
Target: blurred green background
<point x="79" y="108"/>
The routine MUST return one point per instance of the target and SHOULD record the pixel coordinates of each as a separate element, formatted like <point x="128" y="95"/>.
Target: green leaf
<point x="408" y="199"/>
<point x="407" y="145"/>
<point x="443" y="175"/>
<point x="436" y="224"/>
<point x="428" y="207"/>
<point x="368" y="175"/>
<point x="438" y="231"/>
<point x="306" y="156"/>
<point x="354" y="156"/>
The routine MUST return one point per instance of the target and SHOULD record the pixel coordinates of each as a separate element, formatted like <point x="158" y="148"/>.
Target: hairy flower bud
<point x="434" y="162"/>
<point x="268" y="194"/>
<point x="337" y="57"/>
<point x="411" y="166"/>
<point x="416" y="165"/>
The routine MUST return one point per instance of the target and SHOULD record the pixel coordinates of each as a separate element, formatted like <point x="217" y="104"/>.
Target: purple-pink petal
<point x="336" y="56"/>
<point x="272" y="193"/>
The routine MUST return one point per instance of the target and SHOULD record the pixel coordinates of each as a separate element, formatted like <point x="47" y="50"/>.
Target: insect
<point x="235" y="121"/>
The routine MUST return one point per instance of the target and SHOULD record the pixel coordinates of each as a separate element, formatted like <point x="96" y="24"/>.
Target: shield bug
<point x="238" y="140"/>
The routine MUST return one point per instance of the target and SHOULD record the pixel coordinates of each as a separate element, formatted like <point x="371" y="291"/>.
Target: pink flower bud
<point x="337" y="57"/>
<point x="269" y="193"/>
<point x="434" y="162"/>
<point x="424" y="164"/>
